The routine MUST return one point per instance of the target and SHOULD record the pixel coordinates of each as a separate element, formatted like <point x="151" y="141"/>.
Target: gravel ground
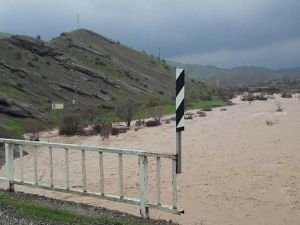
<point x="9" y="214"/>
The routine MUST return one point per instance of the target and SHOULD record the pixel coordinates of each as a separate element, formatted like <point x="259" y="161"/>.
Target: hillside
<point x="80" y="67"/>
<point x="238" y="76"/>
<point x="4" y="35"/>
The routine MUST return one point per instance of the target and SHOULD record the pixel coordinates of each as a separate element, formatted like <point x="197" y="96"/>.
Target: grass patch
<point x="4" y="35"/>
<point x="16" y="128"/>
<point x="13" y="92"/>
<point x="37" y="210"/>
<point x="170" y="109"/>
<point x="215" y="102"/>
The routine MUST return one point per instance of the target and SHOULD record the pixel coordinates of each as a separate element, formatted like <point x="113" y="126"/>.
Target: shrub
<point x="201" y="114"/>
<point x="152" y="102"/>
<point x="115" y="131"/>
<point x="30" y="64"/>
<point x="97" y="128"/>
<point x="20" y="85"/>
<point x="119" y="130"/>
<point x="206" y="97"/>
<point x="152" y="123"/>
<point x="286" y="95"/>
<point x="188" y="117"/>
<point x="4" y="133"/>
<point x="18" y="56"/>
<point x="34" y="127"/>
<point x="167" y="121"/>
<point x="139" y="123"/>
<point x="70" y="124"/>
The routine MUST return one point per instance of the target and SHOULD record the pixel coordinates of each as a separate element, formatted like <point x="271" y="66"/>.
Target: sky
<point x="223" y="33"/>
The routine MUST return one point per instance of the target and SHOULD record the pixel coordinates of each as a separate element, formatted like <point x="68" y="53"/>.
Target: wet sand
<point x="236" y="169"/>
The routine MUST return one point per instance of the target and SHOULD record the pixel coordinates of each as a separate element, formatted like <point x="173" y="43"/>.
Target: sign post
<point x="179" y="114"/>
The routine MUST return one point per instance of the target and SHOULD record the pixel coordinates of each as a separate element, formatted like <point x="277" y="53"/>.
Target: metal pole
<point x="178" y="152"/>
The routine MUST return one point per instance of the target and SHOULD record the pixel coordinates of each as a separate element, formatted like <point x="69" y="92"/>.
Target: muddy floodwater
<point x="241" y="166"/>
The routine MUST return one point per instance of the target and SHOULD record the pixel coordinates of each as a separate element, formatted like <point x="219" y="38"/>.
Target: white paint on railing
<point x="51" y="166"/>
<point x="143" y="175"/>
<point x="35" y="165"/>
<point x="158" y="180"/>
<point x="121" y="175"/>
<point x="143" y="200"/>
<point x="9" y="157"/>
<point x="174" y="184"/>
<point x="67" y="168"/>
<point x="21" y="163"/>
<point x="84" y="185"/>
<point x="101" y="168"/>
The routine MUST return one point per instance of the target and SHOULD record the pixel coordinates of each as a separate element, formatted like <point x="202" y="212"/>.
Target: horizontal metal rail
<point x="89" y="148"/>
<point x="143" y="201"/>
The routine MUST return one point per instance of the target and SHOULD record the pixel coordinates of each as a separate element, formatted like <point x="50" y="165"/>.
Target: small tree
<point x="126" y="111"/>
<point x="34" y="127"/>
<point x="157" y="113"/>
<point x="70" y="124"/>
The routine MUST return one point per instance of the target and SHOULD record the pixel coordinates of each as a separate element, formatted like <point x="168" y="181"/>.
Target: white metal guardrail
<point x="12" y="145"/>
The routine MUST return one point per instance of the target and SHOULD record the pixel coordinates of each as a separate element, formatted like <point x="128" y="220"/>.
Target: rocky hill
<point x="83" y="70"/>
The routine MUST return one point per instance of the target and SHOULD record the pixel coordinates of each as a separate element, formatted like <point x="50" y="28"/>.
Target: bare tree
<point x="157" y="113"/>
<point x="126" y="111"/>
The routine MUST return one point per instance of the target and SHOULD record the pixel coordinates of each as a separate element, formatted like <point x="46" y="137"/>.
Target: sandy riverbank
<point x="236" y="169"/>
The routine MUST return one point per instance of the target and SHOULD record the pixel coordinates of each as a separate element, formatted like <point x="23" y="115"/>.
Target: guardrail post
<point x="67" y="168"/>
<point x="174" y="184"/>
<point x="9" y="159"/>
<point x="143" y="176"/>
<point x="36" y="181"/>
<point x="21" y="162"/>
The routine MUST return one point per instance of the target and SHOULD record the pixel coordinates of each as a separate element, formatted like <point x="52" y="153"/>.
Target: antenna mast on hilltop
<point x="159" y="54"/>
<point x="78" y="20"/>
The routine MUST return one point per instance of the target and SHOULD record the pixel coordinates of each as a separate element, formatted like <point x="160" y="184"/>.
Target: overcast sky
<point x="223" y="33"/>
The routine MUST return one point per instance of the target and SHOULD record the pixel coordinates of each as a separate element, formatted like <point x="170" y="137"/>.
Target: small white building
<point x="57" y="105"/>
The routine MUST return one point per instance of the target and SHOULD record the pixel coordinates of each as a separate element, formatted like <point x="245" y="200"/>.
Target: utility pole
<point x="159" y="54"/>
<point x="78" y="21"/>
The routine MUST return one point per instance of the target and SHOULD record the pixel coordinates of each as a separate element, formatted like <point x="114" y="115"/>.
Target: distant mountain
<point x="291" y="72"/>
<point x="80" y="67"/>
<point x="238" y="76"/>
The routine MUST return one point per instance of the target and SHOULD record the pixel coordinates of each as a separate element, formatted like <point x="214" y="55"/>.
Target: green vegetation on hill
<point x="4" y="35"/>
<point x="87" y="72"/>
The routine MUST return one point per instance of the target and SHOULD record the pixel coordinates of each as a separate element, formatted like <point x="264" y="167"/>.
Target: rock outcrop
<point x="15" y="108"/>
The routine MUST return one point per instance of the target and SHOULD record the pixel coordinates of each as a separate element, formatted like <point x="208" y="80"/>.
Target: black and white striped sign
<point x="179" y="99"/>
